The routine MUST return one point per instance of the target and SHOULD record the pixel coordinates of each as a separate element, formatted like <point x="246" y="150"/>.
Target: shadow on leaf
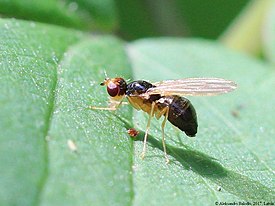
<point x="209" y="168"/>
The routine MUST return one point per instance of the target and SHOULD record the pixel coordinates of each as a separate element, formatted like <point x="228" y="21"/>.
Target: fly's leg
<point x="103" y="108"/>
<point x="163" y="137"/>
<point x="147" y="130"/>
<point x="112" y="107"/>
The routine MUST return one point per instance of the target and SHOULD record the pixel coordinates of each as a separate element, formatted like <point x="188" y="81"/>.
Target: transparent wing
<point x="192" y="87"/>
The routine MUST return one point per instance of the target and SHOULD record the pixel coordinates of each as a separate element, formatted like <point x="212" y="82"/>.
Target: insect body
<point x="165" y="99"/>
<point x="179" y="110"/>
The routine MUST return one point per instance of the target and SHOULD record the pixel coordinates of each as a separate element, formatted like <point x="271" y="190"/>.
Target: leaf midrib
<point x="48" y="121"/>
<point x="52" y="105"/>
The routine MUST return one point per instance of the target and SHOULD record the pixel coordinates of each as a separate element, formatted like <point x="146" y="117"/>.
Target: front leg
<point x="113" y="105"/>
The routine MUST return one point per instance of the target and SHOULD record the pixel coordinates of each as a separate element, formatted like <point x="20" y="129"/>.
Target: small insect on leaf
<point x="165" y="99"/>
<point x="132" y="132"/>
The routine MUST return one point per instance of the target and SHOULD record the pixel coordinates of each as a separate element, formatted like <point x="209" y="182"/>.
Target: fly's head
<point x="116" y="87"/>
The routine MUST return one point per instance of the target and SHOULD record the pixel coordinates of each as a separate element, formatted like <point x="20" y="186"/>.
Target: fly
<point x="166" y="99"/>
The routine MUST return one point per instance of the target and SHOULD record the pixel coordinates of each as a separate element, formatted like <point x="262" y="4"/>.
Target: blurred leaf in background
<point x="268" y="35"/>
<point x="80" y="14"/>
<point x="198" y="18"/>
<point x="248" y="32"/>
<point x="134" y="19"/>
<point x="208" y="19"/>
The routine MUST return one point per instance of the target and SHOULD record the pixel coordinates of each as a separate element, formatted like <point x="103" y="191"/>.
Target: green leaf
<point x="48" y="81"/>
<point x="82" y="14"/>
<point x="49" y="78"/>
<point x="29" y="57"/>
<point x="100" y="172"/>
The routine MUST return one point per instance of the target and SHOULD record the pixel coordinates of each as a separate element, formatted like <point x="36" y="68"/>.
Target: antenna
<point x="105" y="73"/>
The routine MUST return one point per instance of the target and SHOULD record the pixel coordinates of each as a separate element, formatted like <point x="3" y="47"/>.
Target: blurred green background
<point x="230" y="21"/>
<point x="132" y="19"/>
<point x="198" y="18"/>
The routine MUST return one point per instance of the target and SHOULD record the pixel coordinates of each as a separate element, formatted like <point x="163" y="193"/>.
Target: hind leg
<point x="166" y="112"/>
<point x="147" y="130"/>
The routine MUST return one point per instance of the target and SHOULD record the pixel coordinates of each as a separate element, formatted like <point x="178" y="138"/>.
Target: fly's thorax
<point x="140" y="103"/>
<point x="138" y="88"/>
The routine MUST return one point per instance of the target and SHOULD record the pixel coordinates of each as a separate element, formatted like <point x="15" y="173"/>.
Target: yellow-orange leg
<point x="147" y="130"/>
<point x="163" y="137"/>
<point x="114" y="106"/>
<point x="104" y="108"/>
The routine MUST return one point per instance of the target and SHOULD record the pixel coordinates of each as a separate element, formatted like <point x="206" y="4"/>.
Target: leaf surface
<point x="29" y="57"/>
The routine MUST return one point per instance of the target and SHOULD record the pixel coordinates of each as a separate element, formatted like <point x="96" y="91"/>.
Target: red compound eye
<point x="113" y="89"/>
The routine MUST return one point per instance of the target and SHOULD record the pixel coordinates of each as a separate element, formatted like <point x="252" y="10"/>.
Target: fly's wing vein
<point x="193" y="87"/>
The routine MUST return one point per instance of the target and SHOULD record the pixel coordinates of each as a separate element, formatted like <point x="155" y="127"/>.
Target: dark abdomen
<point x="183" y="115"/>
